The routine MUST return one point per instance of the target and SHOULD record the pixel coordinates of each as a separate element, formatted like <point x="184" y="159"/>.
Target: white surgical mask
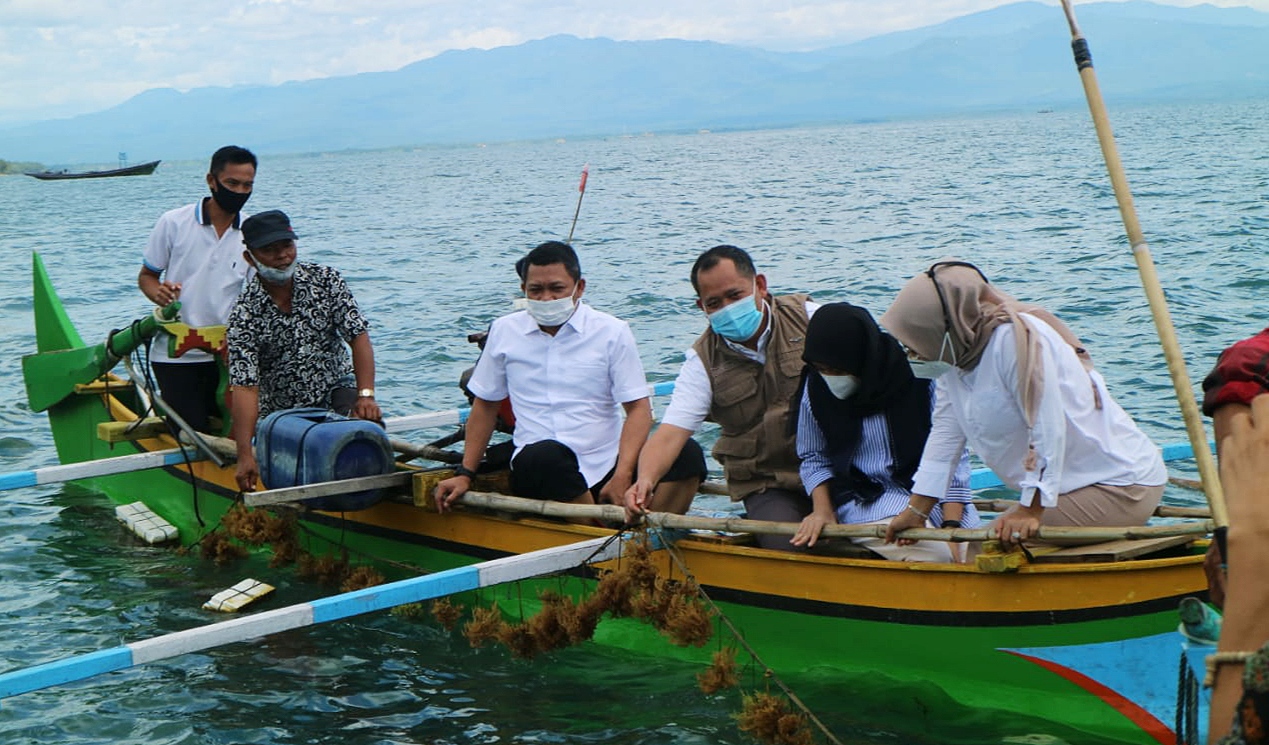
<point x="552" y="312"/>
<point x="841" y="386"/>
<point x="275" y="276"/>
<point x="931" y="369"/>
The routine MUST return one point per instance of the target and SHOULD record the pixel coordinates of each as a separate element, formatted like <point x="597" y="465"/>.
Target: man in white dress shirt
<point x="569" y="371"/>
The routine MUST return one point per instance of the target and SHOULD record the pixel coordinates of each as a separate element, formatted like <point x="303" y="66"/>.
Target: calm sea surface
<point x="427" y="239"/>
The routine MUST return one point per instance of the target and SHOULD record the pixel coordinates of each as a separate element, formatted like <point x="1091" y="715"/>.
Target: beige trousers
<point x="1096" y="505"/>
<point x="920" y="551"/>
<point x="1105" y="505"/>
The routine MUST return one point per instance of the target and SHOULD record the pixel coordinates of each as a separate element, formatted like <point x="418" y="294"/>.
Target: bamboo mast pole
<point x="1149" y="278"/>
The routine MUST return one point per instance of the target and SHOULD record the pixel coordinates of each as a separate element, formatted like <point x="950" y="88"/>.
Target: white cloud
<point x="62" y="57"/>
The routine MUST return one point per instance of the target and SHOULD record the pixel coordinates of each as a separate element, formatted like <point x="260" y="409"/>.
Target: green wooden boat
<point x="1083" y="649"/>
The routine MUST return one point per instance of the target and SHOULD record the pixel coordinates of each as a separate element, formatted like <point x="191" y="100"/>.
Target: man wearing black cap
<point x="195" y="255"/>
<point x="287" y="336"/>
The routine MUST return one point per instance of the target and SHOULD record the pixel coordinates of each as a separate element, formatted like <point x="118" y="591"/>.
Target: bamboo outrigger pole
<point x="322" y="610"/>
<point x="1149" y="278"/>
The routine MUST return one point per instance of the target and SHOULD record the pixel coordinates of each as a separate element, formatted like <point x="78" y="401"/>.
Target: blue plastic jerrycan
<point x="295" y="447"/>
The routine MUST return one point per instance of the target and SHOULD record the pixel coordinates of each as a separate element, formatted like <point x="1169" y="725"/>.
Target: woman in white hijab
<point x="1013" y="382"/>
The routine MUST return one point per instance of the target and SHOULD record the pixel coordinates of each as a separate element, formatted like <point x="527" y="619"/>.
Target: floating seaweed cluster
<point x="634" y="589"/>
<point x="241" y="529"/>
<point x="721" y="673"/>
<point x="767" y="718"/>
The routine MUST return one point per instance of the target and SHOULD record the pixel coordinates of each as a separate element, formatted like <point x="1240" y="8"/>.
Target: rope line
<point x="767" y="673"/>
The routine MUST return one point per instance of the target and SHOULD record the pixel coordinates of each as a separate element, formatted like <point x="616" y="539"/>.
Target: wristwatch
<point x="461" y="470"/>
<point x="366" y="393"/>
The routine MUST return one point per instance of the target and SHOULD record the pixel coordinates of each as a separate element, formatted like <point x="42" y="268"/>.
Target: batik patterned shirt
<point x="295" y="359"/>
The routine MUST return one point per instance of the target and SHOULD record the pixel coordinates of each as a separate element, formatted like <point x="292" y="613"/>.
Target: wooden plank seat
<point x="135" y="430"/>
<point x="1119" y="550"/>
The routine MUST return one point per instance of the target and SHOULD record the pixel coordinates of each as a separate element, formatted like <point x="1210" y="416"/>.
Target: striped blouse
<point x="875" y="460"/>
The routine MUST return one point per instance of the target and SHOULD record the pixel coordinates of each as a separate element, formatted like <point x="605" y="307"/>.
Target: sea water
<point x="427" y="239"/>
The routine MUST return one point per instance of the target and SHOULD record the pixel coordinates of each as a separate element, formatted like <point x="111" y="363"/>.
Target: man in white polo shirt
<point x="569" y="370"/>
<point x="195" y="256"/>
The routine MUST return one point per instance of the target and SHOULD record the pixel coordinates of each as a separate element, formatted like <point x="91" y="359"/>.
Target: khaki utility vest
<point x="751" y="402"/>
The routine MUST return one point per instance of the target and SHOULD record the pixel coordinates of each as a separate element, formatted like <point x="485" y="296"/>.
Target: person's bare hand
<point x="614" y="492"/>
<point x="809" y="531"/>
<point x="450" y="489"/>
<point x="167" y="293"/>
<point x="366" y="408"/>
<point x="636" y="499"/>
<point x="1017" y="524"/>
<point x="247" y="472"/>
<point x="901" y="522"/>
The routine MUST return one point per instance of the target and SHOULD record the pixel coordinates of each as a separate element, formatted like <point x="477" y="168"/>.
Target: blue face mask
<point x="738" y="321"/>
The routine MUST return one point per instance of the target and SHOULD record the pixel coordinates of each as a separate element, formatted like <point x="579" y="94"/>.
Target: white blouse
<point x="1076" y="443"/>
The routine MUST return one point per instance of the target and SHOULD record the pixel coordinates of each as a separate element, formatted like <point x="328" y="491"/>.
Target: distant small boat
<point x="141" y="169"/>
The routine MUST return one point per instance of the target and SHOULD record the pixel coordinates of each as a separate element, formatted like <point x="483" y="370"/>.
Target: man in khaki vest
<point x="741" y="373"/>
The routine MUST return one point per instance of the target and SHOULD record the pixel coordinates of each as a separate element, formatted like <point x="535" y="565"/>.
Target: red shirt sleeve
<point x="1241" y="374"/>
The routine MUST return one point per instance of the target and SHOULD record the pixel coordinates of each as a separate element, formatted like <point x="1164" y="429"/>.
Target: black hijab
<point x="846" y="337"/>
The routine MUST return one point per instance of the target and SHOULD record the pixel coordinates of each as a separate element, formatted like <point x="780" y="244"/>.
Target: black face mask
<point x="229" y="201"/>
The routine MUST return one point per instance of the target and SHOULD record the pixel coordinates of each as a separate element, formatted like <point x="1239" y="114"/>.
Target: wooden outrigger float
<point x="1079" y="643"/>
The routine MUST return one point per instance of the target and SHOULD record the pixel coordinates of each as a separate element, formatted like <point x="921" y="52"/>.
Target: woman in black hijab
<point x="862" y="423"/>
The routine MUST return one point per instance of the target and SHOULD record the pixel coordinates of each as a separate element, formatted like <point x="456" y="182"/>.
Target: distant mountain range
<point x="1012" y="57"/>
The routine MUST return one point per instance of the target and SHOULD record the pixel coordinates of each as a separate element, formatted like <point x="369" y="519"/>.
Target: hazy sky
<point x="64" y="57"/>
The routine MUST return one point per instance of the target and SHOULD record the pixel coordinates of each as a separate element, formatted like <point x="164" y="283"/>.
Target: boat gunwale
<point x="686" y="539"/>
<point x="750" y="576"/>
